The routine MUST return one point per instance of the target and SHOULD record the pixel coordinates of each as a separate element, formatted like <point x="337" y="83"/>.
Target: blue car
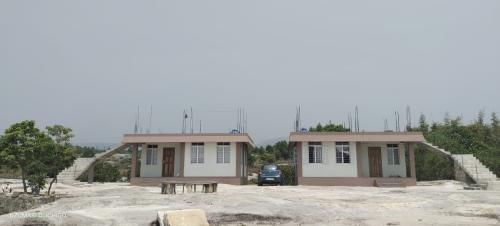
<point x="270" y="174"/>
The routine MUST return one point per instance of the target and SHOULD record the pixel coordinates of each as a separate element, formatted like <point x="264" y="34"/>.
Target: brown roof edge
<point x="171" y="137"/>
<point x="358" y="136"/>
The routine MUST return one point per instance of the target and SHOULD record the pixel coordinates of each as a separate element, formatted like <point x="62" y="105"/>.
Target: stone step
<point x="478" y="169"/>
<point x="478" y="164"/>
<point x="389" y="182"/>
<point x="494" y="185"/>
<point x="486" y="178"/>
<point x="483" y="175"/>
<point x="474" y="173"/>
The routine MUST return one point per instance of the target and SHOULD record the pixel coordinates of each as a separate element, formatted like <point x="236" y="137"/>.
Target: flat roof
<point x="357" y="136"/>
<point x="187" y="138"/>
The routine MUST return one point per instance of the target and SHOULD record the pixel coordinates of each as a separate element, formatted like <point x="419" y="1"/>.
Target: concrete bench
<point x="169" y="187"/>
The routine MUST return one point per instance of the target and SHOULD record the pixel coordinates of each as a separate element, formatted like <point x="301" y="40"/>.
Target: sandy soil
<point x="433" y="203"/>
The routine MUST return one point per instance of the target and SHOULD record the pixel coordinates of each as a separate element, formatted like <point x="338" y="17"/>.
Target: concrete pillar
<point x="182" y="159"/>
<point x="359" y="161"/>
<point x="90" y="173"/>
<point x="238" y="159"/>
<point x="412" y="160"/>
<point x="133" y="167"/>
<point x="298" y="151"/>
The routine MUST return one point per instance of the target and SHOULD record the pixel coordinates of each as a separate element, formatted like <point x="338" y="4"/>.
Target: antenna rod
<point x="408" y="118"/>
<point x="356" y="119"/>
<point x="139" y="120"/>
<point x="184" y="116"/>
<point x="150" y="117"/>
<point x="135" y="125"/>
<point x="238" y="119"/>
<point x="244" y="120"/>
<point x="191" y="119"/>
<point x="296" y="122"/>
<point x="300" y="120"/>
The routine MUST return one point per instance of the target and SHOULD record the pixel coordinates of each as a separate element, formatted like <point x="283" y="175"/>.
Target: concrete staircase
<point x="389" y="182"/>
<point x="477" y="171"/>
<point x="494" y="185"/>
<point x="437" y="149"/>
<point x="70" y="174"/>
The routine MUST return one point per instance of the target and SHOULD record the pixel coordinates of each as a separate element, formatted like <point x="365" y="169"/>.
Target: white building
<point x="355" y="159"/>
<point x="217" y="157"/>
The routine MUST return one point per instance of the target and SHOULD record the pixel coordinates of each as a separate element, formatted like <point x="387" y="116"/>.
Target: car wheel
<point x="259" y="184"/>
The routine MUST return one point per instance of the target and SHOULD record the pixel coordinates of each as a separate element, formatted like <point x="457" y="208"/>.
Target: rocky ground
<point x="433" y="203"/>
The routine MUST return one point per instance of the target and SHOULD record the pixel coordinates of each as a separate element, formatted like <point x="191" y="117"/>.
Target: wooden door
<point x="168" y="162"/>
<point x="375" y="161"/>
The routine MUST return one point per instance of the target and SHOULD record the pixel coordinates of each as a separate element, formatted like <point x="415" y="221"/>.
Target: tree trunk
<point x="50" y="185"/>
<point x="23" y="177"/>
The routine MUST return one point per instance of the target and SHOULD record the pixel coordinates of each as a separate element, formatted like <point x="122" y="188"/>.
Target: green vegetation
<point x="329" y="127"/>
<point x="87" y="152"/>
<point x="37" y="154"/>
<point x="103" y="172"/>
<point x="270" y="154"/>
<point x="288" y="174"/>
<point x="478" y="138"/>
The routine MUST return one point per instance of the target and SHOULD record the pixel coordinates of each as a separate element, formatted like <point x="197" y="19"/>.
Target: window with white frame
<point x="223" y="152"/>
<point x="197" y="152"/>
<point x="393" y="154"/>
<point x="152" y="154"/>
<point x="342" y="153"/>
<point x="315" y="152"/>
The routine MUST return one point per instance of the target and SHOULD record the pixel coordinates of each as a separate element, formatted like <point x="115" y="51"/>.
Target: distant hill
<point x="270" y="141"/>
<point x="101" y="146"/>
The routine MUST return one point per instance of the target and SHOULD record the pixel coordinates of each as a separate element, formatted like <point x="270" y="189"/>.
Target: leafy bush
<point x="288" y="174"/>
<point x="253" y="181"/>
<point x="432" y="166"/>
<point x="36" y="177"/>
<point x="87" y="152"/>
<point x="103" y="172"/>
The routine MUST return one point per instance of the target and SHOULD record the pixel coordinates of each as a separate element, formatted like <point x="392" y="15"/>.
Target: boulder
<point x="186" y="217"/>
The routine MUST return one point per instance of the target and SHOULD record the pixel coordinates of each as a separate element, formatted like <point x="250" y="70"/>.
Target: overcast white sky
<point x="88" y="64"/>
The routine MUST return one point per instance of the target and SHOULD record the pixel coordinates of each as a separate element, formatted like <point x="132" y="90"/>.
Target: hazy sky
<point x="88" y="64"/>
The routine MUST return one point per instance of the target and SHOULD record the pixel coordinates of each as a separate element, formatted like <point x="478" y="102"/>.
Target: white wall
<point x="387" y="170"/>
<point x="210" y="167"/>
<point x="329" y="167"/>
<point x="156" y="170"/>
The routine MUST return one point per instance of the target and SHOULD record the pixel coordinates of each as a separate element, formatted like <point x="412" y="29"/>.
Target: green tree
<point x="281" y="150"/>
<point x="36" y="176"/>
<point x="476" y="138"/>
<point x="61" y="155"/>
<point x="422" y="124"/>
<point x="480" y="117"/>
<point x="19" y="146"/>
<point x="35" y="153"/>
<point x="330" y="127"/>
<point x="494" y="130"/>
<point x="87" y="152"/>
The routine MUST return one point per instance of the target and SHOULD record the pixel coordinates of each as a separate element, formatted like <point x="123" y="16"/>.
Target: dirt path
<point x="441" y="203"/>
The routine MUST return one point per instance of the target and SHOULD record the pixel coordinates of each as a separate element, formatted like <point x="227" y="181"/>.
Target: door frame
<point x="164" y="163"/>
<point x="377" y="150"/>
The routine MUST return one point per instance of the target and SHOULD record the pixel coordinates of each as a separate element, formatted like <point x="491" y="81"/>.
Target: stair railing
<point x="463" y="162"/>
<point x="477" y="175"/>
